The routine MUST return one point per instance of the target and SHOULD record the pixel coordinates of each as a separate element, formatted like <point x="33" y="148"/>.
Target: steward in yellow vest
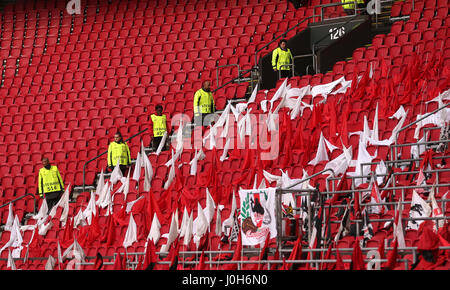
<point x="349" y="6"/>
<point x="281" y="57"/>
<point x="50" y="183"/>
<point x="203" y="102"/>
<point x="159" y="123"/>
<point x="119" y="150"/>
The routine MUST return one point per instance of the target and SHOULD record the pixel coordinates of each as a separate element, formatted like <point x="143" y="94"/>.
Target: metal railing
<point x="283" y="35"/>
<point x="20" y="197"/>
<point x="103" y="153"/>
<point x="227" y="65"/>
<point x="132" y="258"/>
<point x="395" y="154"/>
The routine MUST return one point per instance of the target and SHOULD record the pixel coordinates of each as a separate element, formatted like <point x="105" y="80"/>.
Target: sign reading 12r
<point x="336" y="33"/>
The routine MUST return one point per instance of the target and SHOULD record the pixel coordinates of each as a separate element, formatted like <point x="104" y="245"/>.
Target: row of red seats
<point x="405" y="8"/>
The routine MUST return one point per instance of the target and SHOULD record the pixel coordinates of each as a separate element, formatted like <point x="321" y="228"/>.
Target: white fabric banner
<point x="257" y="215"/>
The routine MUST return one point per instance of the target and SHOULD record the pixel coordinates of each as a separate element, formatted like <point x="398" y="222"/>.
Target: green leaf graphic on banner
<point x="245" y="208"/>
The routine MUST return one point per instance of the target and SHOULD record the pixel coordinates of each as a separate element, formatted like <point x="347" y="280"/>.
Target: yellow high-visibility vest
<point x="281" y="57"/>
<point x="118" y="151"/>
<point x="159" y="125"/>
<point x="351" y="3"/>
<point x="203" y="102"/>
<point x="50" y="180"/>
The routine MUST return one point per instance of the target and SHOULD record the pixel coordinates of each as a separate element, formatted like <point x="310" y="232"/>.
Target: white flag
<point x="200" y="225"/>
<point x="154" y="233"/>
<point x="210" y="207"/>
<point x="172" y="235"/>
<point x="321" y="153"/>
<point x="171" y="172"/>
<point x="161" y="144"/>
<point x="50" y="263"/>
<point x="10" y="220"/>
<point x="436" y="211"/>
<point x="419" y="208"/>
<point x="189" y="229"/>
<point x="137" y="168"/>
<point x="218" y="230"/>
<point x="148" y="172"/>
<point x="10" y="263"/>
<point x="398" y="227"/>
<point x="184" y="223"/>
<point x="131" y="233"/>
<point x="15" y="238"/>
<point x="90" y="209"/>
<point x="100" y="183"/>
<point x="42" y="213"/>
<point x="116" y="174"/>
<point x="74" y="251"/>
<point x="228" y="223"/>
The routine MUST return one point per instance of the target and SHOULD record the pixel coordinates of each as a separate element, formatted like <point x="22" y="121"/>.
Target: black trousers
<point x="155" y="143"/>
<point x="123" y="168"/>
<point x="52" y="199"/>
<point x="284" y="73"/>
<point x="199" y="120"/>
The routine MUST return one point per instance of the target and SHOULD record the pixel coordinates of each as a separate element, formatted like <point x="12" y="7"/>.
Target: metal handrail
<point x="101" y="154"/>
<point x="413" y="123"/>
<point x="306" y="179"/>
<point x="231" y="81"/>
<point x="278" y="37"/>
<point x="23" y="196"/>
<point x="227" y="65"/>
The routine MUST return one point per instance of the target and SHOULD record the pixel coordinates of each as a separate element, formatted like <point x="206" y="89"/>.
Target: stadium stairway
<point x="232" y="167"/>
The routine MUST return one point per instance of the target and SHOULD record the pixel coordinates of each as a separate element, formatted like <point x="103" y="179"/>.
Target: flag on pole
<point x="419" y="208"/>
<point x="131" y="233"/>
<point x="257" y="215"/>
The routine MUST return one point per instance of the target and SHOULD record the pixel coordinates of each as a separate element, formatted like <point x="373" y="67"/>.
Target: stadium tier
<point x="358" y="148"/>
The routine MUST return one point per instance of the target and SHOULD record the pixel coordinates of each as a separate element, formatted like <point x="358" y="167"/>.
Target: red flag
<point x="94" y="229"/>
<point x="173" y="256"/>
<point x="392" y="257"/>
<point x="297" y="141"/>
<point x="151" y="258"/>
<point x="138" y="206"/>
<point x="67" y="237"/>
<point x="119" y="263"/>
<point x="151" y="208"/>
<point x="236" y="255"/>
<point x="339" y="263"/>
<point x="296" y="254"/>
<point x="201" y="264"/>
<point x="121" y="216"/>
<point x="264" y="252"/>
<point x="333" y="119"/>
<point x="360" y="90"/>
<point x="83" y="235"/>
<point x="341" y="186"/>
<point x="110" y="233"/>
<point x="357" y="257"/>
<point x="276" y="256"/>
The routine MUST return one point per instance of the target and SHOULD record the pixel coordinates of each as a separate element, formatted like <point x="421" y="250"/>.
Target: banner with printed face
<point x="257" y="215"/>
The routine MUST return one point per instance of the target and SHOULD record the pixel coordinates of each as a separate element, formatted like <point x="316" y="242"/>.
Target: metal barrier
<point x="101" y="154"/>
<point x="23" y="196"/>
<point x="227" y="65"/>
<point x="395" y="155"/>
